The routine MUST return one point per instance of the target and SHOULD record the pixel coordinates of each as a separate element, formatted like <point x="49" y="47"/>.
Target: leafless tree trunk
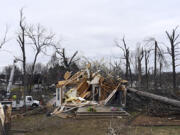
<point x="173" y="51"/>
<point x="126" y="56"/>
<point x="162" y="62"/>
<point x="155" y="63"/>
<point x="158" y="57"/>
<point x="146" y="57"/>
<point x="130" y="73"/>
<point x="21" y="42"/>
<point x="139" y="56"/>
<point x="160" y="73"/>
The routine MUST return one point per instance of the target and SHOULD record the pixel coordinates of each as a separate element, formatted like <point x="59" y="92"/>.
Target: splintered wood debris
<point x="85" y="88"/>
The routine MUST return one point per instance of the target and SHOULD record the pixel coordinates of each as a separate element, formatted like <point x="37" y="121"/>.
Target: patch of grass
<point x="42" y="125"/>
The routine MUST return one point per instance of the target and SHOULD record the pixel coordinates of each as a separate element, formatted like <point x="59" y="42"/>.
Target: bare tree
<point x="173" y="51"/>
<point x="158" y="56"/>
<point x="155" y="49"/>
<point x="66" y="60"/>
<point x="41" y="40"/>
<point x="139" y="57"/>
<point x="22" y="44"/>
<point x="126" y="56"/>
<point x="146" y="62"/>
<point x="162" y="62"/>
<point x="155" y="63"/>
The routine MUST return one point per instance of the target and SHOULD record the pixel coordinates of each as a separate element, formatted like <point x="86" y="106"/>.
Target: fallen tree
<point x="162" y="99"/>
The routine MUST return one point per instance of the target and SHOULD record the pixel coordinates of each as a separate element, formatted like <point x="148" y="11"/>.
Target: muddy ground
<point x="43" y="125"/>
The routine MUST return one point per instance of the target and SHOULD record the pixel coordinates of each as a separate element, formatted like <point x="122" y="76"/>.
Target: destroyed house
<point x="86" y="86"/>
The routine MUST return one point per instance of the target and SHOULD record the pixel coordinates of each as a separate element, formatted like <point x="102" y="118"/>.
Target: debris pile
<point x="86" y="89"/>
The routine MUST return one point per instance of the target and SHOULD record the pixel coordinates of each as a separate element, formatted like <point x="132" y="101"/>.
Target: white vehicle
<point x="29" y="102"/>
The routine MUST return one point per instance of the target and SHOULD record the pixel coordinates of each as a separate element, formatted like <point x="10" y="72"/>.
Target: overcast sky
<point x="90" y="26"/>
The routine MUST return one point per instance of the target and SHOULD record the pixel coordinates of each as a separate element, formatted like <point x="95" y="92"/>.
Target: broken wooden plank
<point x="83" y="86"/>
<point x="110" y="96"/>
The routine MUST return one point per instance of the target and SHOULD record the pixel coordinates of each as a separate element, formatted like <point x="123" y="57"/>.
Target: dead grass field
<point x="42" y="125"/>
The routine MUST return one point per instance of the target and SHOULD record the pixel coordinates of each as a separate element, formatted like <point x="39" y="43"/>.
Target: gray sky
<point x="90" y="26"/>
